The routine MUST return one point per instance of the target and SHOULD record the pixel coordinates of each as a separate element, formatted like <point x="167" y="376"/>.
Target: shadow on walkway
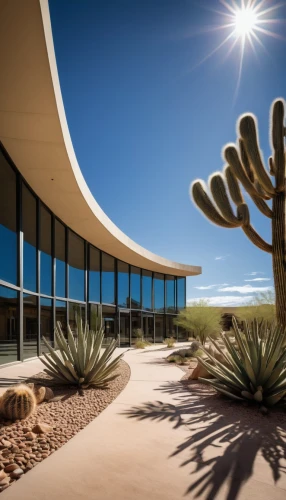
<point x="225" y="437"/>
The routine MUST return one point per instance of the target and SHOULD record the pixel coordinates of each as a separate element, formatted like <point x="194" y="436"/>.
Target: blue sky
<point x="146" y="120"/>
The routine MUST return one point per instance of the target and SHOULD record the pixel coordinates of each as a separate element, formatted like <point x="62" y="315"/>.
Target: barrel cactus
<point x="245" y="168"/>
<point x="80" y="360"/>
<point x="254" y="369"/>
<point x="19" y="402"/>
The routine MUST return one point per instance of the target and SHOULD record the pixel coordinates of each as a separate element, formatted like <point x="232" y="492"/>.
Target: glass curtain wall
<point x="135" y="292"/>
<point x="46" y="251"/>
<point x="108" y="279"/>
<point x="46" y="326"/>
<point x="76" y="267"/>
<point x="147" y="302"/>
<point x="30" y="325"/>
<point x="159" y="292"/>
<point x="94" y="274"/>
<point x="8" y="224"/>
<point x="29" y="215"/>
<point x="9" y="325"/>
<point x="123" y="284"/>
<point x="60" y="259"/>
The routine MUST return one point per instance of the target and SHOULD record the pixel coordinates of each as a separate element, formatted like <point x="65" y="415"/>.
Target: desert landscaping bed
<point x="25" y="443"/>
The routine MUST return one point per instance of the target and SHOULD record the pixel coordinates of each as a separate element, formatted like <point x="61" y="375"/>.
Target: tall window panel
<point x="76" y="314"/>
<point x="46" y="322"/>
<point x="9" y="325"/>
<point x="170" y="294"/>
<point x="94" y="274"/>
<point x="181" y="293"/>
<point x="108" y="279"/>
<point x="30" y="325"/>
<point x="76" y="267"/>
<point x="60" y="258"/>
<point x="159" y="328"/>
<point x="29" y="214"/>
<point x="95" y="316"/>
<point x="61" y="314"/>
<point x="123" y="284"/>
<point x="46" y="251"/>
<point x="135" y="292"/>
<point x="8" y="223"/>
<point x="147" y="290"/>
<point x="109" y="323"/>
<point x="159" y="292"/>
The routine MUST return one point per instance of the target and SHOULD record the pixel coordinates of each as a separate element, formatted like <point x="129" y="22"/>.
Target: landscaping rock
<point x="11" y="467"/>
<point x="200" y="371"/>
<point x="2" y="475"/>
<point x="42" y="428"/>
<point x="30" y="435"/>
<point x="49" y="394"/>
<point x="40" y="393"/>
<point x="17" y="473"/>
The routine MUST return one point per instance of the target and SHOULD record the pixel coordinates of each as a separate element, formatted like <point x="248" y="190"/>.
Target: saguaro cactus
<point x="245" y="168"/>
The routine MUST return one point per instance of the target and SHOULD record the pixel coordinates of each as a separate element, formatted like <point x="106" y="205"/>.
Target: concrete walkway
<point x="158" y="441"/>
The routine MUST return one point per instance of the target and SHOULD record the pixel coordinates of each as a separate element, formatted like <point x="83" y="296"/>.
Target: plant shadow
<point x="226" y="437"/>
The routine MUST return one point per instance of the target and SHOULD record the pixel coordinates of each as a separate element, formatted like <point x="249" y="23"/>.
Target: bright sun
<point x="245" y="21"/>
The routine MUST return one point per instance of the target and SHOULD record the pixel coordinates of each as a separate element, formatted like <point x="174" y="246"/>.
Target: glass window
<point x="170" y="327"/>
<point x="147" y="290"/>
<point x="135" y="325"/>
<point x="46" y="322"/>
<point x="170" y="293"/>
<point x="8" y="223"/>
<point x="135" y="288"/>
<point x="95" y="316"/>
<point x="159" y="328"/>
<point x="94" y="274"/>
<point x="9" y="325"/>
<point x="76" y="267"/>
<point x="108" y="279"/>
<point x="159" y="292"/>
<point x="181" y="293"/>
<point x="123" y="284"/>
<point x="76" y="313"/>
<point x="60" y="258"/>
<point x="29" y="214"/>
<point x="46" y="251"/>
<point x="109" y="323"/>
<point x="124" y="327"/>
<point x="148" y="327"/>
<point x="30" y="325"/>
<point x="61" y="314"/>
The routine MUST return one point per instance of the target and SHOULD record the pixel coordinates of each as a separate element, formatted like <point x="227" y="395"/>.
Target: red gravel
<point x="68" y="413"/>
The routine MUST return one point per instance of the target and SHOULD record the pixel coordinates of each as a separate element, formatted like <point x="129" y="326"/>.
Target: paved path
<point x="156" y="441"/>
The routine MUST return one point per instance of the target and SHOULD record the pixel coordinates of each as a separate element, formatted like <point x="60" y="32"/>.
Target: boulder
<point x="199" y="371"/>
<point x="40" y="393"/>
<point x="42" y="428"/>
<point x="48" y="394"/>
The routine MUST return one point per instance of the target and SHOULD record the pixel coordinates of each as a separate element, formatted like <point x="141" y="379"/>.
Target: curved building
<point x="60" y="255"/>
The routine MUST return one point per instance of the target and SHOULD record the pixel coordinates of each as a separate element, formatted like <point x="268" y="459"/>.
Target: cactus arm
<point x="220" y="196"/>
<point x="272" y="169"/>
<point x="248" y="133"/>
<point x="203" y="201"/>
<point x="278" y="132"/>
<point x="256" y="238"/>
<point x="245" y="161"/>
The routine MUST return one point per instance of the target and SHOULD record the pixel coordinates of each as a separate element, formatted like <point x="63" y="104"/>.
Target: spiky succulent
<point x="79" y="359"/>
<point x="255" y="368"/>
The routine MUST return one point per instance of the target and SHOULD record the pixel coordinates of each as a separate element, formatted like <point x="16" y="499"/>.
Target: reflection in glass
<point x="148" y="327"/>
<point x="135" y="291"/>
<point x="94" y="274"/>
<point x="60" y="258"/>
<point x="76" y="267"/>
<point x="147" y="290"/>
<point x="123" y="284"/>
<point x="170" y="327"/>
<point x="29" y="215"/>
<point x="76" y="313"/>
<point x="109" y="323"/>
<point x="124" y="328"/>
<point x="159" y="292"/>
<point x="108" y="279"/>
<point x="8" y="223"/>
<point x="30" y="325"/>
<point x="159" y="328"/>
<point x="9" y="325"/>
<point x="170" y="293"/>
<point x="135" y="325"/>
<point x="95" y="317"/>
<point x="46" y="322"/>
<point x="46" y="251"/>
<point x="61" y="314"/>
<point x="181" y="293"/>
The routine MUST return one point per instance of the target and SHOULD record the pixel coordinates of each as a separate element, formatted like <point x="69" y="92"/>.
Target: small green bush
<point x="141" y="344"/>
<point x="170" y="342"/>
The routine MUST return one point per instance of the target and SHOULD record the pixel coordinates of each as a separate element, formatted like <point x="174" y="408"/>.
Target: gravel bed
<point x="23" y="445"/>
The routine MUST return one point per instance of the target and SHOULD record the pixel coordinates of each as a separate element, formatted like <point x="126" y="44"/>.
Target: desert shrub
<point x="169" y="342"/>
<point x="141" y="344"/>
<point x="255" y="368"/>
<point x="200" y="320"/>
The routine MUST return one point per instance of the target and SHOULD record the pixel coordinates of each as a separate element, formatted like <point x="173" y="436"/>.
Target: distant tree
<point x="200" y="320"/>
<point x="261" y="307"/>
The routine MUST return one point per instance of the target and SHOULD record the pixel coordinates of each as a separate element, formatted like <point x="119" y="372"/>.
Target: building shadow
<point x="225" y="437"/>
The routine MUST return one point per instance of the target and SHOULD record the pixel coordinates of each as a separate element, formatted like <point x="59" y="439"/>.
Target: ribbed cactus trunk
<point x="279" y="256"/>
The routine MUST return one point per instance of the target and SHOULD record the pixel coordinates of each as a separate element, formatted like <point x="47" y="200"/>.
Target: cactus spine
<point x="18" y="403"/>
<point x="245" y="168"/>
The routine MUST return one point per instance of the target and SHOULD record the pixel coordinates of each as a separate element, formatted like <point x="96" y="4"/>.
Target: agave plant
<point x="254" y="369"/>
<point x="79" y="359"/>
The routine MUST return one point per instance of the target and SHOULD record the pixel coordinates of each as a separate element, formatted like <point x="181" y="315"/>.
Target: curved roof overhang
<point x="34" y="131"/>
